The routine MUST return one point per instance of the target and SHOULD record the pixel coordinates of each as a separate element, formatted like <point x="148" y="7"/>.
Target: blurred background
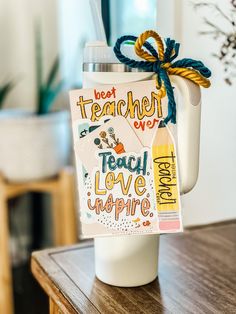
<point x="41" y="45"/>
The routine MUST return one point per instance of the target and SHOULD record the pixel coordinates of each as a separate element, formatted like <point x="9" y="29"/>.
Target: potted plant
<point x="36" y="145"/>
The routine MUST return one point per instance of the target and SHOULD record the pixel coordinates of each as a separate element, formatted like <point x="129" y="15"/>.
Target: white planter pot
<point x="33" y="147"/>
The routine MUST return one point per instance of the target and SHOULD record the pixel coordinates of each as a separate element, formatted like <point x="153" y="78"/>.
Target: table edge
<point x="49" y="285"/>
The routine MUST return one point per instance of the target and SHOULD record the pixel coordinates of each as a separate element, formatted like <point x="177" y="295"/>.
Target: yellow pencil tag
<point x="166" y="181"/>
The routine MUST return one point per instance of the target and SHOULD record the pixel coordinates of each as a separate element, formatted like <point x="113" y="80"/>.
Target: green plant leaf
<point x="53" y="73"/>
<point x="48" y="96"/>
<point x="38" y="61"/>
<point x="49" y="90"/>
<point x="4" y="91"/>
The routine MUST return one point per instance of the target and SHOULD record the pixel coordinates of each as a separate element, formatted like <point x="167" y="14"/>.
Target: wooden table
<point x="197" y="274"/>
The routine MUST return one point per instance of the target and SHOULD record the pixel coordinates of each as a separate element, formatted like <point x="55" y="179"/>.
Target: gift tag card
<point x="126" y="166"/>
<point x="166" y="180"/>
<point x="116" y="135"/>
<point x="138" y="102"/>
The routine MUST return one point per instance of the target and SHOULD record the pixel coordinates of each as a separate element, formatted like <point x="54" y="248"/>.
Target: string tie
<point x="160" y="61"/>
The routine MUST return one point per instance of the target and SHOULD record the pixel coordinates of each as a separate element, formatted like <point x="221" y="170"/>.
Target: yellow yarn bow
<point x="161" y="62"/>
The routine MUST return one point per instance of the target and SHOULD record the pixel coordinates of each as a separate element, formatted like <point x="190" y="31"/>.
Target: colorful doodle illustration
<point x="115" y="144"/>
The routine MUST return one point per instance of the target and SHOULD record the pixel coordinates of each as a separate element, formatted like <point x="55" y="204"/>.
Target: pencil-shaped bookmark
<point x="166" y="184"/>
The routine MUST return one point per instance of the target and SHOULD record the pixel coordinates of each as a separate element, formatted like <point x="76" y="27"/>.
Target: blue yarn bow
<point x="159" y="67"/>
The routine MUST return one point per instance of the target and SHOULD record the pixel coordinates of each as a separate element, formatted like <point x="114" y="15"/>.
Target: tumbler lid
<point x="99" y="52"/>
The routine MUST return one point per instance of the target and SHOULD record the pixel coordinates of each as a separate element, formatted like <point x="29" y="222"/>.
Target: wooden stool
<point x="62" y="191"/>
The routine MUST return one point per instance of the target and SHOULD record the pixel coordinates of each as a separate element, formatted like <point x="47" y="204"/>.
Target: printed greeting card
<point x="126" y="161"/>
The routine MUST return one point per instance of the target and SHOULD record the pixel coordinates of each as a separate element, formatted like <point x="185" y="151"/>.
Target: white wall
<point x="17" y="51"/>
<point x="213" y="198"/>
<point x="75" y="29"/>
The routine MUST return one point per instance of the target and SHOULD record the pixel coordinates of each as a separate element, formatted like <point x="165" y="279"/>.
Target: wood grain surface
<point x="197" y="274"/>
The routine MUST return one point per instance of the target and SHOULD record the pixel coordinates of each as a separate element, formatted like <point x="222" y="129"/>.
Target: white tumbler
<point x="132" y="260"/>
